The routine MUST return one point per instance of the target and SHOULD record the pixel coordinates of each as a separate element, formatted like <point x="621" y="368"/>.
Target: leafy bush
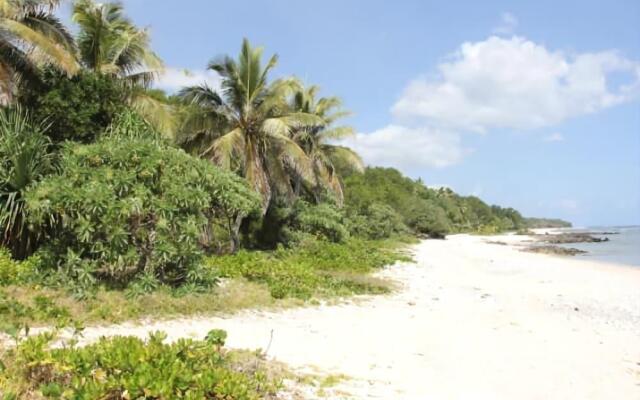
<point x="128" y="210"/>
<point x="15" y="314"/>
<point x="292" y="224"/>
<point x="130" y="368"/>
<point x="377" y="221"/>
<point x="317" y="268"/>
<point x="79" y="108"/>
<point x="430" y="220"/>
<point x="17" y="272"/>
<point x="24" y="159"/>
<point x="323" y="220"/>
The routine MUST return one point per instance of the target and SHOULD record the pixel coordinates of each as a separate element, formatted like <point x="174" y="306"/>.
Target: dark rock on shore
<point x="557" y="250"/>
<point x="570" y="237"/>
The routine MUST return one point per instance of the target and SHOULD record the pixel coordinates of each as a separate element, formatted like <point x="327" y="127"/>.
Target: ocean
<point x="623" y="247"/>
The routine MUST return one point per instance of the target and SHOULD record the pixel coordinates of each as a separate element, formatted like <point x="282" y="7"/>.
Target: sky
<point x="533" y="105"/>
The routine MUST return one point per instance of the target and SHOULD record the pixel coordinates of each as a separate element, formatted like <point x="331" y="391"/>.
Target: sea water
<point x="623" y="246"/>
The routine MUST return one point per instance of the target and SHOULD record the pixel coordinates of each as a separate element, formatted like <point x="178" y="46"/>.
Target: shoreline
<point x="471" y="320"/>
<point x="586" y="250"/>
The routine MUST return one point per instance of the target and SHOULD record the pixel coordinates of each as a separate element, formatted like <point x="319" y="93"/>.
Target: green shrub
<point x="430" y="220"/>
<point x="284" y="279"/>
<point x="377" y="221"/>
<point x="292" y="224"/>
<point x="314" y="268"/>
<point x="323" y="220"/>
<point x="9" y="268"/>
<point x="128" y="210"/>
<point x="79" y="108"/>
<point x="17" y="272"/>
<point x="130" y="368"/>
<point x="15" y="314"/>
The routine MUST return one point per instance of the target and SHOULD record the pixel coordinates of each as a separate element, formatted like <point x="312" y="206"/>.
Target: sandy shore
<point x="473" y="320"/>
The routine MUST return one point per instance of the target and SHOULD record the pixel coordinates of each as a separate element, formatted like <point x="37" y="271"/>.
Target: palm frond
<point x="293" y="156"/>
<point x="45" y="46"/>
<point x="226" y="147"/>
<point x="339" y="132"/>
<point x="202" y="95"/>
<point x="344" y="156"/>
<point x="50" y="26"/>
<point x="158" y="114"/>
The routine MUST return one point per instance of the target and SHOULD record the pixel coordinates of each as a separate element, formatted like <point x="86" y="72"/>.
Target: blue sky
<point x="528" y="104"/>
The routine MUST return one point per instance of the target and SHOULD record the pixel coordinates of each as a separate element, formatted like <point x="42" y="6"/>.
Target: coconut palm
<point x="31" y="36"/>
<point x="109" y="43"/>
<point x="257" y="123"/>
<point x="315" y="140"/>
<point x="24" y="159"/>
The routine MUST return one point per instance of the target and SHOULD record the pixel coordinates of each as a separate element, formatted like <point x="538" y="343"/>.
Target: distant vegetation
<point x="386" y="198"/>
<point x="133" y="200"/>
<point x="535" y="223"/>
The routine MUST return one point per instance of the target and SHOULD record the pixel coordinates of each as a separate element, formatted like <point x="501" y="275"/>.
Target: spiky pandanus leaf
<point x="24" y="159"/>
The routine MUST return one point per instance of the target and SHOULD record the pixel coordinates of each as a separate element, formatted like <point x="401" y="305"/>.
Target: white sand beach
<point x="472" y="320"/>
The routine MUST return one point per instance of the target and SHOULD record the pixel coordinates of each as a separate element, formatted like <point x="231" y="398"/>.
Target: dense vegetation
<point x="386" y="198"/>
<point x="137" y="203"/>
<point x="534" y="223"/>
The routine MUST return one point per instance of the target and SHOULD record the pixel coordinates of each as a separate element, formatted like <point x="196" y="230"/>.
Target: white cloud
<point x="508" y="24"/>
<point x="407" y="148"/>
<point x="554" y="137"/>
<point x="174" y="79"/>
<point x="515" y="83"/>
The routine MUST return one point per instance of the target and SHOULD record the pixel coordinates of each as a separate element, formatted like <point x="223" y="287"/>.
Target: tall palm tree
<point x="257" y="123"/>
<point x="109" y="43"/>
<point x="31" y="36"/>
<point x="315" y="140"/>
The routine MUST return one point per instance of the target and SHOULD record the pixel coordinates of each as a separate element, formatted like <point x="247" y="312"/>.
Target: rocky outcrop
<point x="570" y="237"/>
<point x="556" y="250"/>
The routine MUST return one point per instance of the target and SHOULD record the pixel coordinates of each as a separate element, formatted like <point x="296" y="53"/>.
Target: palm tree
<point x="315" y="140"/>
<point x="256" y="123"/>
<point x="31" y="36"/>
<point x="110" y="44"/>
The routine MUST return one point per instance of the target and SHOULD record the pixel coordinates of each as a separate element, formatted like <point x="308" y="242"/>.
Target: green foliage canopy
<point x="125" y="208"/>
<point x="77" y="108"/>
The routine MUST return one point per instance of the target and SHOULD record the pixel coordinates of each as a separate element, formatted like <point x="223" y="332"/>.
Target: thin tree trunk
<point x="234" y="232"/>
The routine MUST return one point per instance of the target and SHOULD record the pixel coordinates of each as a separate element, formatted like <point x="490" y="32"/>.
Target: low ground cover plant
<point x="314" y="267"/>
<point x="130" y="368"/>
